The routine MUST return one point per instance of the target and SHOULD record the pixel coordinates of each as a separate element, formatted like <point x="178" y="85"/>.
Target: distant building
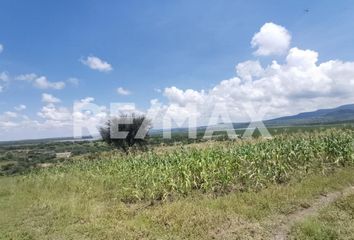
<point x="63" y="155"/>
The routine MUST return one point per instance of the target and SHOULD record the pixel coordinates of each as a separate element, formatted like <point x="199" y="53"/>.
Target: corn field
<point x="213" y="168"/>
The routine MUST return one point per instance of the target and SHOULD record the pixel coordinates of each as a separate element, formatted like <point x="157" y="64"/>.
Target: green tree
<point x="126" y="131"/>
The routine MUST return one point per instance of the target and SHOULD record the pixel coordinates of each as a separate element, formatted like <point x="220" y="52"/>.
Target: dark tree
<point x="126" y="131"/>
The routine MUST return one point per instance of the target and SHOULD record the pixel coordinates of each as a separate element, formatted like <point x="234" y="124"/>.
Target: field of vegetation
<point x="21" y="157"/>
<point x="210" y="190"/>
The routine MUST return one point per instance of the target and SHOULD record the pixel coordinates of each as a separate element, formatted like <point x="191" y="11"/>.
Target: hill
<point x="338" y="114"/>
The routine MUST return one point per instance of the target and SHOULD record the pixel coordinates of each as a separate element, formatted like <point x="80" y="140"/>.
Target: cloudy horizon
<point x="278" y="74"/>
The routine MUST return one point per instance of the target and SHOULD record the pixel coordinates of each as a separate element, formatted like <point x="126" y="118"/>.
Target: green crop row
<point x="211" y="168"/>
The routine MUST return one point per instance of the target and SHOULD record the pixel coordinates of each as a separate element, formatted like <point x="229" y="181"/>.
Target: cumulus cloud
<point x="122" y="91"/>
<point x="88" y="116"/>
<point x="40" y="82"/>
<point x="54" y="116"/>
<point x="18" y="124"/>
<point x="55" y="120"/>
<point x="43" y="83"/>
<point x="175" y="95"/>
<point x="299" y="84"/>
<point x="9" y="119"/>
<point x="48" y="98"/>
<point x="62" y="117"/>
<point x="272" y="39"/>
<point x="303" y="59"/>
<point x="249" y="70"/>
<point x="52" y="120"/>
<point x="98" y="64"/>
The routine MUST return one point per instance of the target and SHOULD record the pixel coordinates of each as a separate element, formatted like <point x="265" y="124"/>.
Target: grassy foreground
<point x="227" y="190"/>
<point x="58" y="214"/>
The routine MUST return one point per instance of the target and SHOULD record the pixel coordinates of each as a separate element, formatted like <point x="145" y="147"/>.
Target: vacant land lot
<point x="215" y="190"/>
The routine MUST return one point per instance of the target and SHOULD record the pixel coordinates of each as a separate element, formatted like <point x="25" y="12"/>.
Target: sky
<point x="255" y="59"/>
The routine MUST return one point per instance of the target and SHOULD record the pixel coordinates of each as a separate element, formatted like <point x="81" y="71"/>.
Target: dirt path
<point x="285" y="223"/>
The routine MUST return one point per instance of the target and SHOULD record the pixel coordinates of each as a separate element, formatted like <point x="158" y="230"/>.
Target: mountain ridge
<point x="341" y="113"/>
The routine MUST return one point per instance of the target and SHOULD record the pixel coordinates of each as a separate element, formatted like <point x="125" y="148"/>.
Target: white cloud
<point x="55" y="116"/>
<point x="122" y="91"/>
<point x="7" y="124"/>
<point x="303" y="59"/>
<point x="4" y="78"/>
<point x="181" y="97"/>
<point x="73" y="81"/>
<point x="272" y="39"/>
<point x="10" y="114"/>
<point x="27" y="77"/>
<point x="158" y="90"/>
<point x="299" y="84"/>
<point x="48" y="98"/>
<point x="57" y="120"/>
<point x="86" y="103"/>
<point x="96" y="63"/>
<point x="8" y="120"/>
<point x="52" y="120"/>
<point x="43" y="83"/>
<point x="88" y="115"/>
<point x="1" y="48"/>
<point x="87" y="100"/>
<point x="249" y="70"/>
<point x="296" y="84"/>
<point x="20" y="107"/>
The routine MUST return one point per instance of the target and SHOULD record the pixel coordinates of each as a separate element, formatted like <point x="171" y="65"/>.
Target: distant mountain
<point x="338" y="114"/>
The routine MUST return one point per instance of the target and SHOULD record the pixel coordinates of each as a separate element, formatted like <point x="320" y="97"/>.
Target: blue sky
<point x="151" y="45"/>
